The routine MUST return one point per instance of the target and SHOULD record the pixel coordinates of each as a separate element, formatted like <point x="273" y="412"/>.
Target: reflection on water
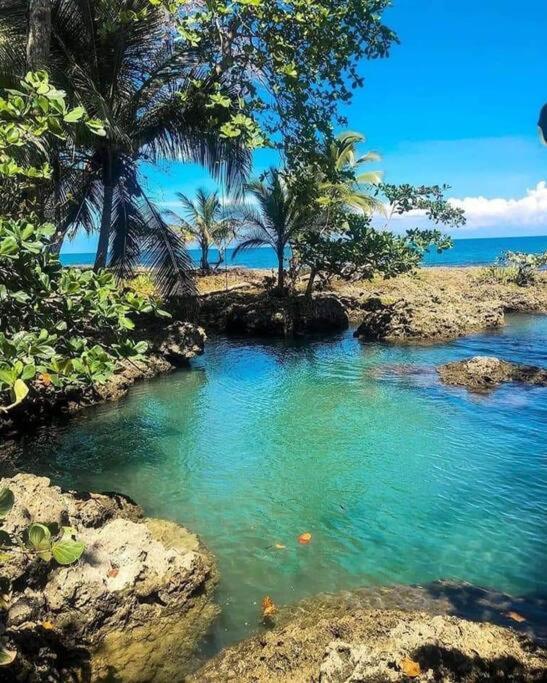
<point x="398" y="479"/>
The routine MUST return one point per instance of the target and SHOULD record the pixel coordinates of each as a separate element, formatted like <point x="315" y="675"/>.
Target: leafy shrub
<point x="59" y="325"/>
<point x="514" y="268"/>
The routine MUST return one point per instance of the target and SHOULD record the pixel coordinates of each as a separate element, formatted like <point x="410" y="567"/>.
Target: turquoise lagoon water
<point x="398" y="479"/>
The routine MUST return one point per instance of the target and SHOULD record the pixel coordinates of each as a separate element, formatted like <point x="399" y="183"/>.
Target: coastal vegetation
<point x="522" y="269"/>
<point x="59" y="326"/>
<point x="92" y="94"/>
<point x="207" y="222"/>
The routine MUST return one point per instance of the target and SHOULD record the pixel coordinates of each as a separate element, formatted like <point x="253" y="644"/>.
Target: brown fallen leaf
<point x="515" y="616"/>
<point x="304" y="539"/>
<point x="45" y="378"/>
<point x="113" y="572"/>
<point x="280" y="546"/>
<point x="410" y="668"/>
<point x="269" y="608"/>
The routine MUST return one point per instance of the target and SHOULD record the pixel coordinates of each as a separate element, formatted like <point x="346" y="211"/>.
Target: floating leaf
<point x="515" y="616"/>
<point x="410" y="668"/>
<point x="269" y="608"/>
<point x="280" y="546"/>
<point x="7" y="656"/>
<point x="304" y="539"/>
<point x="6" y="501"/>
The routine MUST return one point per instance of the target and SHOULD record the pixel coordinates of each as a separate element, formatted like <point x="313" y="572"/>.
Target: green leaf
<point x="74" y="115"/>
<point x="7" y="657"/>
<point x="67" y="550"/>
<point x="39" y="537"/>
<point x="6" y="501"/>
<point x="19" y="391"/>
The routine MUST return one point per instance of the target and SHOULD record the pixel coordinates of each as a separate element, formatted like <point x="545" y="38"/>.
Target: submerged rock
<point x="483" y="373"/>
<point x="368" y="646"/>
<point x="132" y="609"/>
<point x="268" y="315"/>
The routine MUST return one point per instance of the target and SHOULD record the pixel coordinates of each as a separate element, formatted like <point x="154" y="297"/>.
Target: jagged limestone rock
<point x="134" y="606"/>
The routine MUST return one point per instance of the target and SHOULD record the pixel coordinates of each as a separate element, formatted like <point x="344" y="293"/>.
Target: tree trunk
<point x="106" y="221"/>
<point x="39" y="34"/>
<point x="311" y="280"/>
<point x="281" y="271"/>
<point x="205" y="257"/>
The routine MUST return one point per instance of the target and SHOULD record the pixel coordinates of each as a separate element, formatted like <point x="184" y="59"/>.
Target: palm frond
<point x="128" y="228"/>
<point x="166" y="254"/>
<point x="250" y="243"/>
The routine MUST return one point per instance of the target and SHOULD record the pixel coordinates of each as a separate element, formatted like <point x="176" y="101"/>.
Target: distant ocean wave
<point x="466" y="252"/>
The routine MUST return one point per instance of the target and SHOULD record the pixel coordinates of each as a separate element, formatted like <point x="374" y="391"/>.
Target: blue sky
<point x="457" y="102"/>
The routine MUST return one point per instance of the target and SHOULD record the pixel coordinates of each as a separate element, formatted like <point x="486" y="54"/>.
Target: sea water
<point x="397" y="478"/>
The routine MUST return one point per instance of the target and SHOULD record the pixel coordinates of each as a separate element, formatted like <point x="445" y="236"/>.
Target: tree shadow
<point x="452" y="664"/>
<point x="526" y="615"/>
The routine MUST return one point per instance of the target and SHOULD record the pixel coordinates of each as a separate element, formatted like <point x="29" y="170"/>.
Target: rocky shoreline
<point x="431" y="305"/>
<point x="133" y="607"/>
<point x="398" y="633"/>
<point x="141" y="598"/>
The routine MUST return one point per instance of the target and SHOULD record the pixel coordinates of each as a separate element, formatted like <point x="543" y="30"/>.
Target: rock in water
<point x="483" y="373"/>
<point x="132" y="609"/>
<point x="266" y="315"/>
<point x="425" y="317"/>
<point x="368" y="646"/>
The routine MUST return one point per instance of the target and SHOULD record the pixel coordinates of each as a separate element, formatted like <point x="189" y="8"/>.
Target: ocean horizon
<point x="466" y="252"/>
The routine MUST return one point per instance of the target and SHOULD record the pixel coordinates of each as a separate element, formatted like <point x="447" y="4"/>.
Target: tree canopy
<point x="292" y="64"/>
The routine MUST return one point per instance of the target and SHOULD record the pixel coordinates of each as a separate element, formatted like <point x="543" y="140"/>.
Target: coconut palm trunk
<point x="205" y="256"/>
<point x="106" y="221"/>
<point x="39" y="34"/>
<point x="281" y="269"/>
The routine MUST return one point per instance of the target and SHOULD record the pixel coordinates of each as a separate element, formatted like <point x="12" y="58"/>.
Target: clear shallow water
<point x="399" y="479"/>
<point x="466" y="252"/>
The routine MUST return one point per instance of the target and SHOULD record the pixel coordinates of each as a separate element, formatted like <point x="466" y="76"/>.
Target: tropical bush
<point x="58" y="326"/>
<point x="47" y="542"/>
<point x="514" y="268"/>
<point x="61" y="326"/>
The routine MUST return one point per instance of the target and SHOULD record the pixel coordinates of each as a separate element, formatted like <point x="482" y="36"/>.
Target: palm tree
<point x="278" y="217"/>
<point x="340" y="179"/>
<point x="128" y="73"/>
<point x="206" y="221"/>
<point x="341" y="186"/>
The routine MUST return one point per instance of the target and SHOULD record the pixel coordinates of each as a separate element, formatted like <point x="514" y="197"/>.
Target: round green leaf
<point x="6" y="501"/>
<point x="39" y="537"/>
<point x="67" y="551"/>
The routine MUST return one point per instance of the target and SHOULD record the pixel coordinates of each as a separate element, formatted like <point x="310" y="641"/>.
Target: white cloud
<point x="490" y="217"/>
<point x="527" y="211"/>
